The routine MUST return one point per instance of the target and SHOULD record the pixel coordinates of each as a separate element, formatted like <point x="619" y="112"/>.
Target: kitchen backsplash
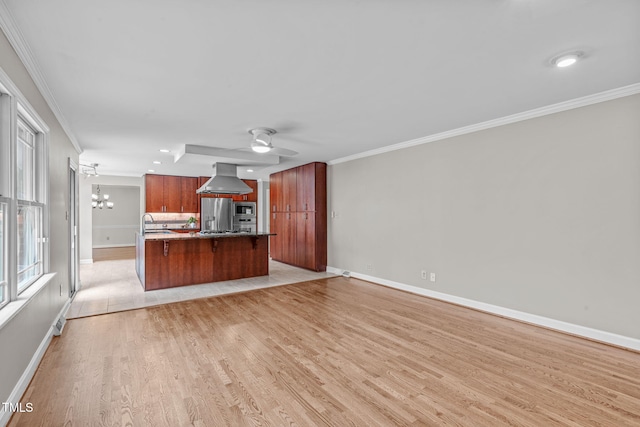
<point x="173" y="220"/>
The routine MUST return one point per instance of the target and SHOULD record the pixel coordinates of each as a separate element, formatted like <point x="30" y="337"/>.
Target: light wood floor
<point x="328" y="352"/>
<point x="110" y="254"/>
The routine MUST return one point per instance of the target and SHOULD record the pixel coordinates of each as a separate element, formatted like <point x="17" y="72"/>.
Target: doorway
<point x="72" y="217"/>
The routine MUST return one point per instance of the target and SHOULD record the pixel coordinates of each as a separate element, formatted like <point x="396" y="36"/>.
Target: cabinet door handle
<point x="306" y="206"/>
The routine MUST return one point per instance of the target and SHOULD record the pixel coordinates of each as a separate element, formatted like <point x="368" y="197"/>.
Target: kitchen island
<point x="167" y="260"/>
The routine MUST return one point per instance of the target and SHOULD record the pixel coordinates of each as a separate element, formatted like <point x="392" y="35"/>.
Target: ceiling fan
<point x="260" y="152"/>
<point x="262" y="143"/>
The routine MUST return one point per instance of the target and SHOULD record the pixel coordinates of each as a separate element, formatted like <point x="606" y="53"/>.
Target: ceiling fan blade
<point x="283" y="152"/>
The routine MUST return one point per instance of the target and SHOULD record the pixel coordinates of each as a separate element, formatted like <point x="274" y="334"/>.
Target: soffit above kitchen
<point x="334" y="78"/>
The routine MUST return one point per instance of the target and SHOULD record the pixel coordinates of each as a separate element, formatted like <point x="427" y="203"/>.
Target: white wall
<point x="86" y="211"/>
<point x="117" y="227"/>
<point x="264" y="213"/>
<point x="23" y="334"/>
<point x="540" y="216"/>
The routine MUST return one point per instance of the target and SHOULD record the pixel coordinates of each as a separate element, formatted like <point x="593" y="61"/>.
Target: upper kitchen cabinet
<point x="154" y="193"/>
<point x="166" y="193"/>
<point x="172" y="193"/>
<point x="289" y="188"/>
<point x="275" y="192"/>
<point x="251" y="197"/>
<point x="190" y="200"/>
<point x="311" y="188"/>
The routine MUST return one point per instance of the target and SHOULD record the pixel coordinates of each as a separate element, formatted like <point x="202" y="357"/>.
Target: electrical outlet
<point x="423" y="274"/>
<point x="433" y="277"/>
<point x="369" y="267"/>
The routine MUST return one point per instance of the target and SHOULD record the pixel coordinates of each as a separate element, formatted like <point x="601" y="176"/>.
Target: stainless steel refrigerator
<point x="216" y="214"/>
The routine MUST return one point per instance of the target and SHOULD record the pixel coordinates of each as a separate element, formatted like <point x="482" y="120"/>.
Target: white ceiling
<point x="335" y="78"/>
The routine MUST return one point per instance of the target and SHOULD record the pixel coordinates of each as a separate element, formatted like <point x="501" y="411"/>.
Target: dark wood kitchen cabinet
<point x="311" y="182"/>
<point x="172" y="193"/>
<point x="308" y="236"/>
<point x="251" y="197"/>
<point x="276" y="227"/>
<point x="284" y="225"/>
<point x="187" y="260"/>
<point x="289" y="188"/>
<point x="275" y="192"/>
<point x="299" y="197"/>
<point x="189" y="197"/>
<point x="154" y="193"/>
<point x="168" y="193"/>
<point x="162" y="193"/>
<point x="289" y="233"/>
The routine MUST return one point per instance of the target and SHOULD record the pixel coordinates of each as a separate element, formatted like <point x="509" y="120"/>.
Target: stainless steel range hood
<point x="224" y="181"/>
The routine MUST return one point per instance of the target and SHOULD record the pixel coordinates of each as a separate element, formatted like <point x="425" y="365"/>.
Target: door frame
<point x="74" y="239"/>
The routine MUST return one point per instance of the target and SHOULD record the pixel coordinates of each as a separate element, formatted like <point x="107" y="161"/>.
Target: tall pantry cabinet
<point x="298" y="205"/>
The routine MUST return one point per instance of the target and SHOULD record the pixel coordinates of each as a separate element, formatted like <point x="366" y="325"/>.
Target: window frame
<point x="4" y="282"/>
<point x="32" y="193"/>
<point x="14" y="107"/>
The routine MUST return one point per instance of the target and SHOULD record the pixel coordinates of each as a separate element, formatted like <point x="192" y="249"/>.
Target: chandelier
<point x="100" y="201"/>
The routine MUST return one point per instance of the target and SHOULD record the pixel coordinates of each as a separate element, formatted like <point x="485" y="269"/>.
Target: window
<point x="3" y="274"/>
<point x="25" y="162"/>
<point x="29" y="245"/>
<point x="29" y="211"/>
<point x="23" y="196"/>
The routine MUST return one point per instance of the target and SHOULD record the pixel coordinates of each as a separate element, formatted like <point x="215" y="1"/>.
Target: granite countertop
<point x="171" y="235"/>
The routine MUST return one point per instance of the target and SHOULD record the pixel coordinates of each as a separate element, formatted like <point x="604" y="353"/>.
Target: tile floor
<point x="110" y="286"/>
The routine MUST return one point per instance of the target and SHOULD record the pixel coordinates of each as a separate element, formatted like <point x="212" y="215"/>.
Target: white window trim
<point x="4" y="284"/>
<point x="17" y="104"/>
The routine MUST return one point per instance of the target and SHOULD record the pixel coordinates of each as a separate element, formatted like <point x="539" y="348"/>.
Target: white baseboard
<point x="27" y="375"/>
<point x="583" y="331"/>
<point x="86" y="261"/>
<point x="118" y="245"/>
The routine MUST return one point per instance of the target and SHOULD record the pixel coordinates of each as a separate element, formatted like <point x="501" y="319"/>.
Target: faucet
<point x="142" y="222"/>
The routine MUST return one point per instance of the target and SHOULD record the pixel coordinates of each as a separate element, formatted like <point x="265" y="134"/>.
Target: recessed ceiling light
<point x="150" y="170"/>
<point x="156" y="162"/>
<point x="566" y="59"/>
<point x="249" y="170"/>
<point x="164" y="150"/>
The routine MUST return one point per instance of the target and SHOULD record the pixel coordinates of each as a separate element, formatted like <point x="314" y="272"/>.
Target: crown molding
<point x="19" y="44"/>
<point x="538" y="112"/>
